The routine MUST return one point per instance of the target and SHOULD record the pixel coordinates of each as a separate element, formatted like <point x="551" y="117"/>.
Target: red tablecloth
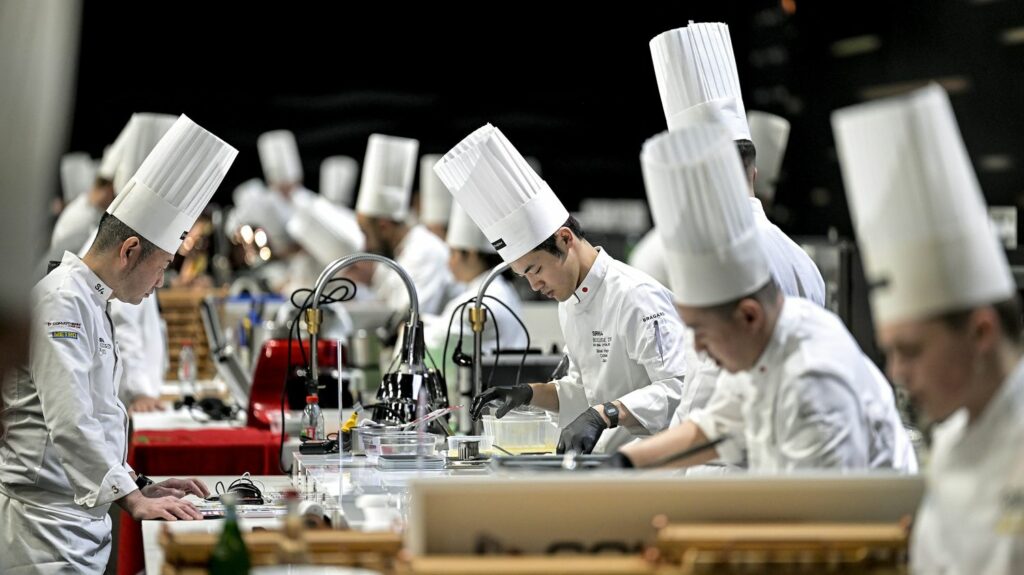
<point x="187" y="453"/>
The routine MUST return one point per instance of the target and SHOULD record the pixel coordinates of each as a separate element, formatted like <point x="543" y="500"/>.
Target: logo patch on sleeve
<point x="63" y="335"/>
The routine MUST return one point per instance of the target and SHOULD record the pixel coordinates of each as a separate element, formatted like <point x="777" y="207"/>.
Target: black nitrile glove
<point x="618" y="460"/>
<point x="582" y="434"/>
<point x="504" y="398"/>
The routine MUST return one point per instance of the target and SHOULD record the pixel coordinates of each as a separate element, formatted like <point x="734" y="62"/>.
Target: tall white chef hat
<point x="173" y="185"/>
<point x="770" y="134"/>
<point x="325" y="230"/>
<point x="696" y="72"/>
<point x="279" y="156"/>
<point x="698" y="195"/>
<point x="141" y="136"/>
<point x="920" y="217"/>
<point x="77" y="173"/>
<point x="338" y="175"/>
<point x="435" y="200"/>
<point x="388" y="172"/>
<point x="492" y="181"/>
<point x="464" y="234"/>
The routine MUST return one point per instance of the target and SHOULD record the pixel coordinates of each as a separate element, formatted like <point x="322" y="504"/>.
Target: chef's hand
<point x="618" y="460"/>
<point x="169" y="508"/>
<point x="177" y="488"/>
<point x="504" y="398"/>
<point x="582" y="434"/>
<point x="142" y="404"/>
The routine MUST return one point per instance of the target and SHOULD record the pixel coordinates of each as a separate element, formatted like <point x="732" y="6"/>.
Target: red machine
<point x="270" y="373"/>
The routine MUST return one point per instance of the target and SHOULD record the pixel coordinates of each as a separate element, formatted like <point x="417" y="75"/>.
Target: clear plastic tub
<point x="406" y="443"/>
<point x="523" y="432"/>
<point x="473" y="445"/>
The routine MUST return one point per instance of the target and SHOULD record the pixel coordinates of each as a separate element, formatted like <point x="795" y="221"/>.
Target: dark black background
<point x="569" y="83"/>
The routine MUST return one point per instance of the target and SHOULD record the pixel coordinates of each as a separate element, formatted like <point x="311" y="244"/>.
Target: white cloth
<point x="64" y="446"/>
<point x="435" y="328"/>
<point x="971" y="521"/>
<point x="424" y="256"/>
<point x="812" y="400"/>
<point x="791" y="267"/>
<point x="140" y="335"/>
<point x="625" y="342"/>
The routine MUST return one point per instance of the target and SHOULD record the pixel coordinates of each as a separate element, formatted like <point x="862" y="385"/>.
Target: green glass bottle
<point x="230" y="556"/>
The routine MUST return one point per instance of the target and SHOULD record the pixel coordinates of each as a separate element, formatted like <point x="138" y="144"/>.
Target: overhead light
<point x="952" y="84"/>
<point x="995" y="162"/>
<point x="856" y="46"/>
<point x="1012" y="36"/>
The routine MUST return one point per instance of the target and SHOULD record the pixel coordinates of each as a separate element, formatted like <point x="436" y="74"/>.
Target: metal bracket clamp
<point x="313" y="319"/>
<point x="477" y="315"/>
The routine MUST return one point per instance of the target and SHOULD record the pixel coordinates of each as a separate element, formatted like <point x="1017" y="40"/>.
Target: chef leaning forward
<point x="947" y="314"/>
<point x="799" y="392"/>
<point x="623" y="336"/>
<point x="698" y="80"/>
<point x="64" y="444"/>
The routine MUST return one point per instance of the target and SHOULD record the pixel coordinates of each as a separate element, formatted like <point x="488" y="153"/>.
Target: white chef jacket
<point x="143" y="344"/>
<point x="424" y="256"/>
<point x="648" y="256"/>
<point x="75" y="225"/>
<point x="971" y="521"/>
<point x="625" y="342"/>
<point x="63" y="453"/>
<point x="793" y="270"/>
<point x="796" y="275"/>
<point x="435" y="328"/>
<point x="812" y="400"/>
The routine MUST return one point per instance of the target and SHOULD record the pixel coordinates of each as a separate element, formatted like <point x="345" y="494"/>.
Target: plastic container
<point x="472" y="445"/>
<point x="406" y="443"/>
<point x="523" y="432"/>
<point x="313" y="420"/>
<point x="363" y="439"/>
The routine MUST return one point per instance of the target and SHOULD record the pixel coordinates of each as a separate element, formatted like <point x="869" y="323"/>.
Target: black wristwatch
<point x="613" y="414"/>
<point x="141" y="481"/>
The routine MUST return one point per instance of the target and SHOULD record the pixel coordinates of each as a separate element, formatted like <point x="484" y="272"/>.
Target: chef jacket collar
<point x="99" y="289"/>
<point x="588" y="288"/>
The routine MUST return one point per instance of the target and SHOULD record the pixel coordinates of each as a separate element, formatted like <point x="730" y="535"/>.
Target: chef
<point x="697" y="79"/>
<point x="382" y="209"/>
<point x="799" y="391"/>
<point x="623" y="337"/>
<point x="947" y="314"/>
<point x="64" y="448"/>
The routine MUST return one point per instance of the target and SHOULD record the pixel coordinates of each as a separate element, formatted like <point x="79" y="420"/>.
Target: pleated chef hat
<point x="279" y="156"/>
<point x="698" y="195"/>
<point x="696" y="72"/>
<point x="920" y="217"/>
<point x="165" y="196"/>
<point x="512" y="205"/>
<point x="388" y="172"/>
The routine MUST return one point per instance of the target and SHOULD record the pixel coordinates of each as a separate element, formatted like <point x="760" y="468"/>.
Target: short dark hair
<point x="766" y="295"/>
<point x="550" y="245"/>
<point x="748" y="153"/>
<point x="113" y="232"/>
<point x="1008" y="311"/>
